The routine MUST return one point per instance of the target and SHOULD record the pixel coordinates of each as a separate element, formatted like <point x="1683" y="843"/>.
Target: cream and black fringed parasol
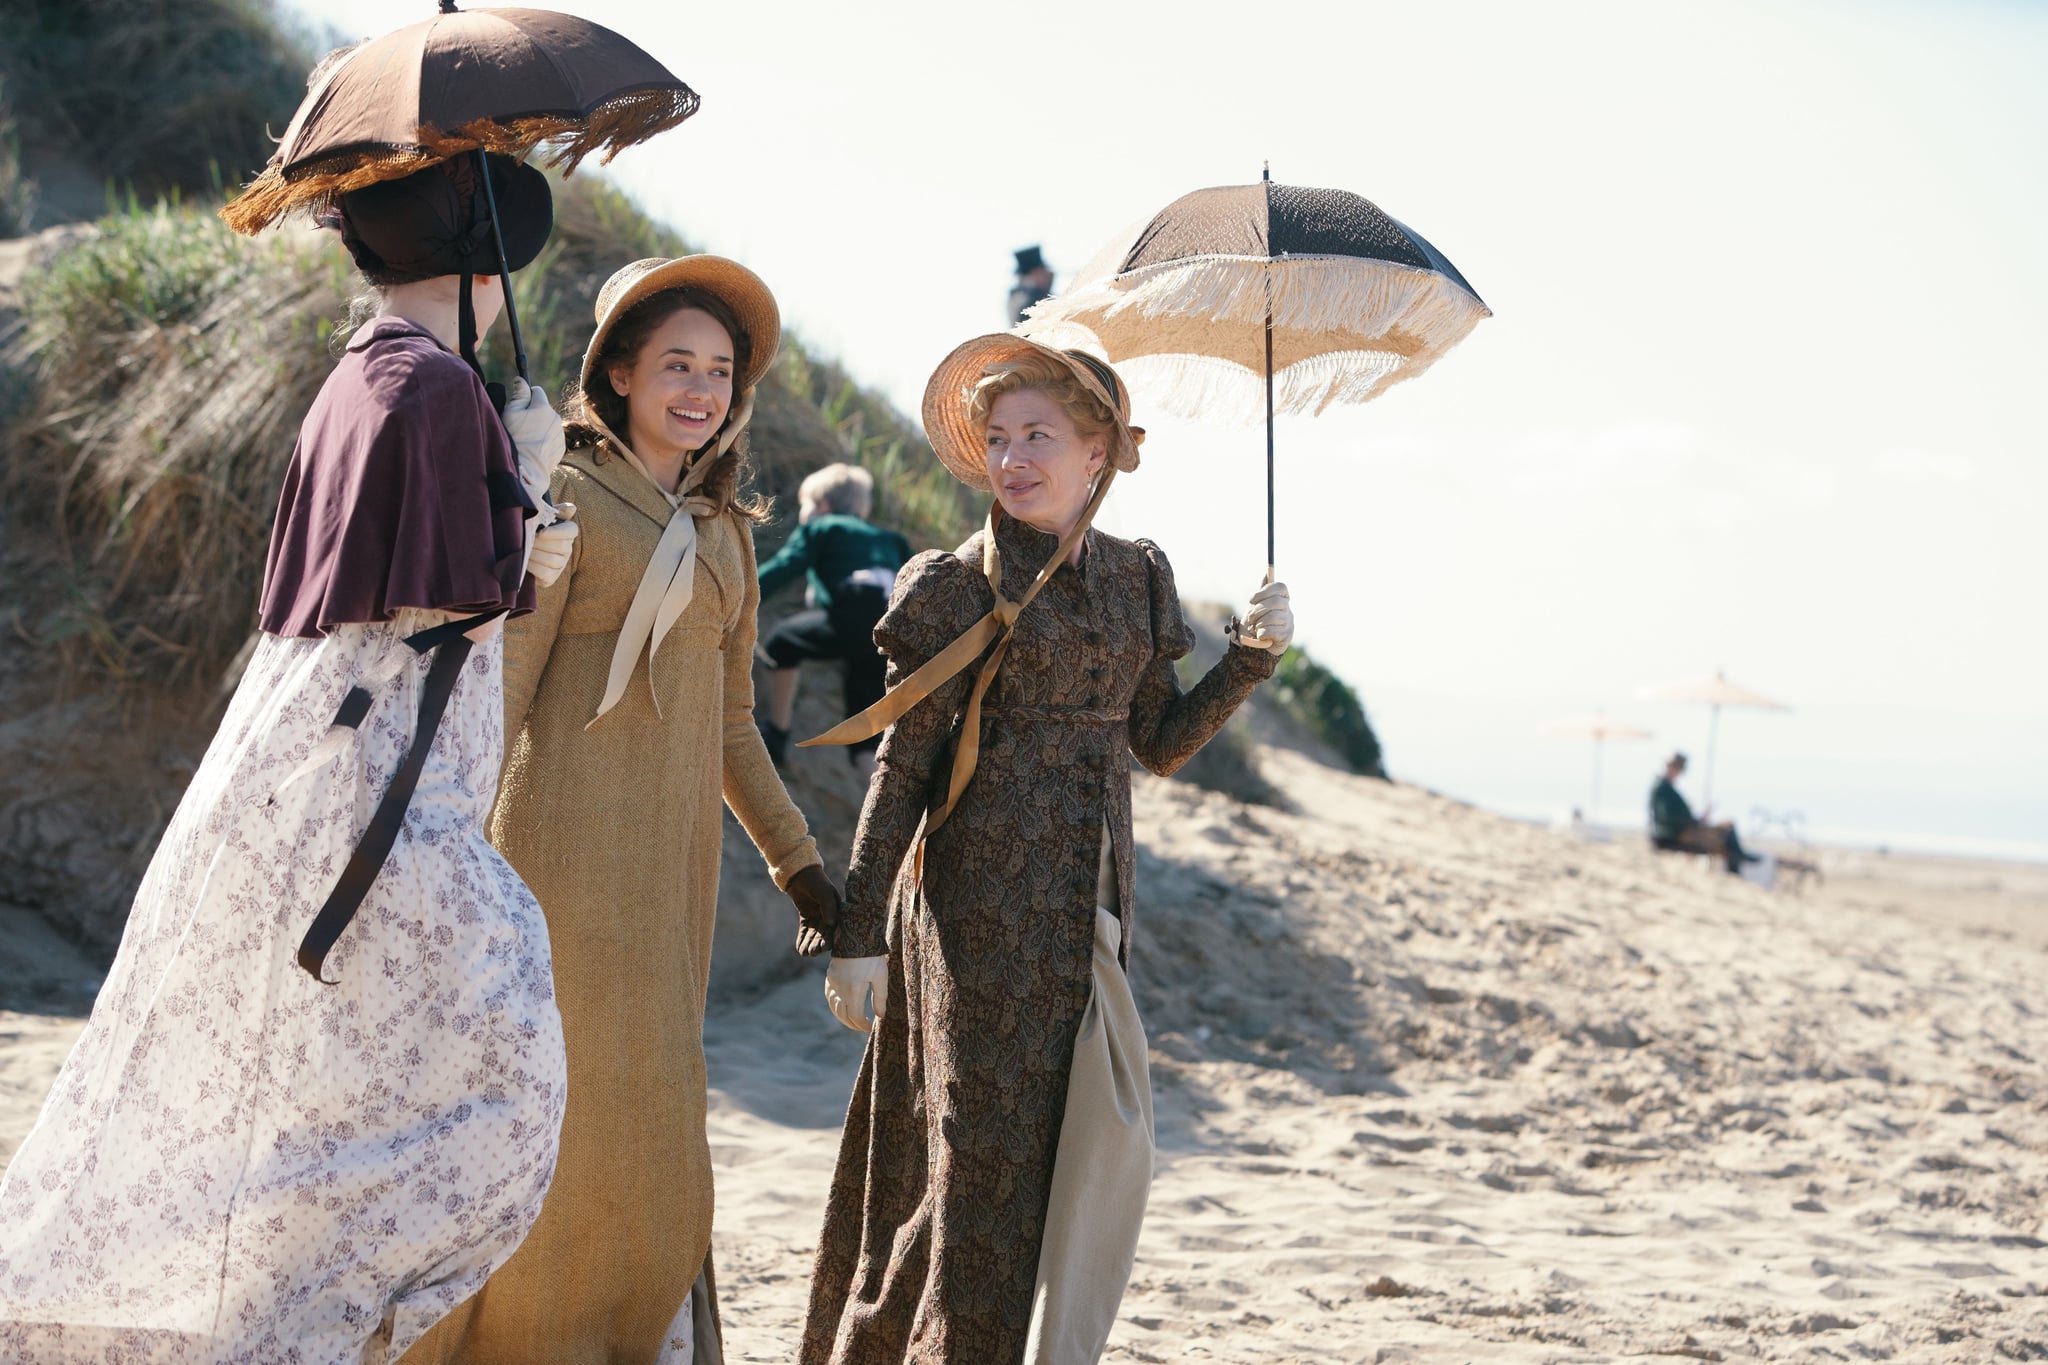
<point x="1276" y="298"/>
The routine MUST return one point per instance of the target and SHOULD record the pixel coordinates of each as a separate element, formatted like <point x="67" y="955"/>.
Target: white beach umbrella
<point x="1599" y="729"/>
<point x="1712" y="693"/>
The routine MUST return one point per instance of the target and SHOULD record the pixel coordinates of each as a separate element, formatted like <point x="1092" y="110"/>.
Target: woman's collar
<point x="695" y="469"/>
<point x="605" y="462"/>
<point x="387" y="325"/>
<point x="675" y="499"/>
<point x="1027" y="546"/>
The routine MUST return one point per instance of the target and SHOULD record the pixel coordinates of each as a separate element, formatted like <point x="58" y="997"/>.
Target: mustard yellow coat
<point x="617" y="830"/>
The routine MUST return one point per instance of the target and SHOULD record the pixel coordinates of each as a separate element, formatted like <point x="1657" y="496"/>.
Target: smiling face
<point x="679" y="387"/>
<point x="1039" y="462"/>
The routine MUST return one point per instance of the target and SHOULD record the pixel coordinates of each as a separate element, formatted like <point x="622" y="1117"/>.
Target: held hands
<point x="536" y="435"/>
<point x="848" y="983"/>
<point x="551" y="545"/>
<point x="1269" y="624"/>
<point x="817" y="909"/>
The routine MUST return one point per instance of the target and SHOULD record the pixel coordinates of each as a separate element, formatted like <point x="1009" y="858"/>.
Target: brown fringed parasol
<point x="500" y="80"/>
<point x="475" y="82"/>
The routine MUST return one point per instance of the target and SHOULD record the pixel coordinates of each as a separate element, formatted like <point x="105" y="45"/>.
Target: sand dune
<point x="1437" y="1087"/>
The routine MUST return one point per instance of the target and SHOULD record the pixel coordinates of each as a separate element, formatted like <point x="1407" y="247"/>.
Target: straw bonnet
<point x="948" y="402"/>
<point x="738" y="287"/>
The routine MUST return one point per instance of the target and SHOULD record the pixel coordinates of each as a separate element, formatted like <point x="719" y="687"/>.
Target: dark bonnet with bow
<point x="433" y="223"/>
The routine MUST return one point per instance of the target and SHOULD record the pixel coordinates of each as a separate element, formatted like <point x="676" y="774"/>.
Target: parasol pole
<point x="483" y="166"/>
<point x="1266" y="178"/>
<point x="1713" y="735"/>
<point x="1593" y="811"/>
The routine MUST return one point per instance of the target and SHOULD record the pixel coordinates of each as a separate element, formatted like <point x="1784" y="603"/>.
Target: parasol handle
<point x="1269" y="437"/>
<point x="1266" y="177"/>
<point x="504" y="266"/>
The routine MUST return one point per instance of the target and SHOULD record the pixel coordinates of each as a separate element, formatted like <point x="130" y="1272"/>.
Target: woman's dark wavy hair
<point x="729" y="482"/>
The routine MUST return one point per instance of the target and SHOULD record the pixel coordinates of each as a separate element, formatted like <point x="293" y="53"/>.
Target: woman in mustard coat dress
<point x="628" y="715"/>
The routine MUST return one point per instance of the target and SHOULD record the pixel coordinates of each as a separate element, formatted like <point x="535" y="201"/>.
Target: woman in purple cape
<point x="271" y="1144"/>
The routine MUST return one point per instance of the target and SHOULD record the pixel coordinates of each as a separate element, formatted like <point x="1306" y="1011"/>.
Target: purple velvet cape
<point x="403" y="491"/>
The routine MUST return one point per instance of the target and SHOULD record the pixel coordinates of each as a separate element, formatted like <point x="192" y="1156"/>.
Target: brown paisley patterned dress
<point x="937" y="1209"/>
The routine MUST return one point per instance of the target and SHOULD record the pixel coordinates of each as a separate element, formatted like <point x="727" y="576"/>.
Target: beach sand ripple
<point x="1433" y="1086"/>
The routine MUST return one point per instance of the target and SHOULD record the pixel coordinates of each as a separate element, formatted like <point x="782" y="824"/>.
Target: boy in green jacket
<point x="850" y="566"/>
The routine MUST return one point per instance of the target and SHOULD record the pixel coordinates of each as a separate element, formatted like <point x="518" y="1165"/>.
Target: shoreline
<point x="1825" y="842"/>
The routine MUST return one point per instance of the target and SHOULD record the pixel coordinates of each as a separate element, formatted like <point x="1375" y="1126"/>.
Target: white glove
<point x="547" y="551"/>
<point x="847" y="984"/>
<point x="1270" y="622"/>
<point x="536" y="435"/>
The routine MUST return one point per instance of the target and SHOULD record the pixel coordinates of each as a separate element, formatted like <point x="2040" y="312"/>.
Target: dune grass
<point x="598" y="228"/>
<point x="1331" y="710"/>
<point x="174" y="364"/>
<point x="913" y="492"/>
<point x="176" y="359"/>
<point x="160" y="95"/>
<point x="17" y="191"/>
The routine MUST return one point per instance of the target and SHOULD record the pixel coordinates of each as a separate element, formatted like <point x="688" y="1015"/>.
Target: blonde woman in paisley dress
<point x="998" y="1149"/>
<point x="242" y="1161"/>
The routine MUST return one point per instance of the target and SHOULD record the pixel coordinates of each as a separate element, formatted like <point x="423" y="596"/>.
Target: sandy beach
<point x="1434" y="1086"/>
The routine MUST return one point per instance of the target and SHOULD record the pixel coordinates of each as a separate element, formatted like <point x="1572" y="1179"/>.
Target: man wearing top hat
<point x="1034" y="282"/>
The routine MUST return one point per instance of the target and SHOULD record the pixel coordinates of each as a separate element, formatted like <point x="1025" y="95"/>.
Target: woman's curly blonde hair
<point x="1035" y="373"/>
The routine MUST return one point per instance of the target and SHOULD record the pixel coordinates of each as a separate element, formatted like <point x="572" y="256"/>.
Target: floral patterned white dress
<point x="238" y="1163"/>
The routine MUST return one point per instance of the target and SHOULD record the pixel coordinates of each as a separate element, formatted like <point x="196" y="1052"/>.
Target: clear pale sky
<point x="1764" y="390"/>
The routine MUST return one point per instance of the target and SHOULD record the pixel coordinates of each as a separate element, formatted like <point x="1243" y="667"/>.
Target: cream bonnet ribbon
<point x="670" y="578"/>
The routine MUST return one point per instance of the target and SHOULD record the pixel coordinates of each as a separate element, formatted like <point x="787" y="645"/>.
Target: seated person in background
<point x="851" y="565"/>
<point x="1675" y="829"/>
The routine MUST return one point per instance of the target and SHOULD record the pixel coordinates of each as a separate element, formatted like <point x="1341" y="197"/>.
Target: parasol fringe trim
<point x="1370" y="299"/>
<point x="1380" y="323"/>
<point x="1215" y="390"/>
<point x="604" y="132"/>
<point x="1221" y="392"/>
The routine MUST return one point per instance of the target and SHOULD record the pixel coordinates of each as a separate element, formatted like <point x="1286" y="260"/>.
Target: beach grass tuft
<point x="1323" y="701"/>
<point x="174" y="361"/>
<point x="17" y="191"/>
<point x="158" y="94"/>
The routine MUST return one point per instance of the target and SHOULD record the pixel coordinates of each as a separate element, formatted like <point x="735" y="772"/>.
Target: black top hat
<point x="1029" y="259"/>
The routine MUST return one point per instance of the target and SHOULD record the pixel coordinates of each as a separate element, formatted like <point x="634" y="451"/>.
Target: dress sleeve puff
<point x="938" y="596"/>
<point x="1172" y="637"/>
<point x="1167" y="726"/>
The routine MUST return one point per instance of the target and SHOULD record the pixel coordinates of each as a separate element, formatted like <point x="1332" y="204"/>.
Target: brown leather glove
<point x="817" y="909"/>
